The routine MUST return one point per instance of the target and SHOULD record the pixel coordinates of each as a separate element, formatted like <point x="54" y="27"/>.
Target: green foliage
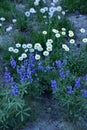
<point x="73" y="5"/>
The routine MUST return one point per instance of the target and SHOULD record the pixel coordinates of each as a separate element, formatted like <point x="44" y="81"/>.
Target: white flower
<point x="45" y="53"/>
<point x="31" y="50"/>
<point x="29" y="45"/>
<point x="9" y="29"/>
<point x="46" y="8"/>
<point x="27" y="13"/>
<point x="14" y="20"/>
<point x="50" y="41"/>
<point x="82" y="30"/>
<point x="24" y="46"/>
<point x="0" y="24"/>
<point x="37" y="56"/>
<point x="63" y="29"/>
<point x="59" y="8"/>
<point x="20" y="58"/>
<point x="49" y="44"/>
<point x="55" y="1"/>
<point x="84" y="40"/>
<point x="18" y="45"/>
<point x="72" y="41"/>
<point x="37" y="45"/>
<point x="59" y="17"/>
<point x="44" y="16"/>
<point x="63" y="33"/>
<point x="49" y="49"/>
<point x="15" y="50"/>
<point x="32" y="10"/>
<point x="52" y="9"/>
<point x="55" y="30"/>
<point x="26" y="50"/>
<point x="63" y="12"/>
<point x="42" y="10"/>
<point x="71" y="34"/>
<point x="44" y="32"/>
<point x="10" y="49"/>
<point x="2" y="19"/>
<point x="57" y="35"/>
<point x="40" y="49"/>
<point x="24" y="55"/>
<point x="65" y="47"/>
<point x="36" y="3"/>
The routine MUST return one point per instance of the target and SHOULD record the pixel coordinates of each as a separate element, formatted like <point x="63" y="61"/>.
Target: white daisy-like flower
<point x="59" y="17"/>
<point x="0" y="25"/>
<point x="27" y="13"/>
<point x="45" y="16"/>
<point x="10" y="49"/>
<point x="31" y="50"/>
<point x="46" y="8"/>
<point x="44" y="32"/>
<point x="36" y="3"/>
<point x="40" y="49"/>
<point x="71" y="34"/>
<point x="24" y="46"/>
<point x="20" y="58"/>
<point x="55" y="1"/>
<point x="37" y="45"/>
<point x="18" y="45"/>
<point x="65" y="47"/>
<point x="2" y="19"/>
<point x="48" y="44"/>
<point x="63" y="33"/>
<point x="63" y="29"/>
<point x="70" y="31"/>
<point x="26" y="50"/>
<point x="49" y="49"/>
<point x="29" y="45"/>
<point x="57" y="35"/>
<point x="55" y="30"/>
<point x="15" y="50"/>
<point x="24" y="55"/>
<point x="37" y="56"/>
<point x="32" y="10"/>
<point x="45" y="53"/>
<point x="63" y="12"/>
<point x="14" y="20"/>
<point x="72" y="41"/>
<point x="9" y="29"/>
<point x="42" y="10"/>
<point x="82" y="30"/>
<point x="59" y="8"/>
<point x="52" y="9"/>
<point x="50" y="41"/>
<point x="84" y="40"/>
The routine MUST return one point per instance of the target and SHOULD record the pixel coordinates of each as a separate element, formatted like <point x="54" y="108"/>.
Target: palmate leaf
<point x="23" y="112"/>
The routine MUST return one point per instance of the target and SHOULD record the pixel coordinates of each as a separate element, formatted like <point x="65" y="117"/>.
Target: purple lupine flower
<point x="77" y="83"/>
<point x="48" y="68"/>
<point x="62" y="74"/>
<point x="53" y="84"/>
<point x="86" y="77"/>
<point x="59" y="63"/>
<point x="12" y="62"/>
<point x="7" y="76"/>
<point x="40" y="66"/>
<point x="14" y="89"/>
<point x="84" y="93"/>
<point x="70" y="91"/>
